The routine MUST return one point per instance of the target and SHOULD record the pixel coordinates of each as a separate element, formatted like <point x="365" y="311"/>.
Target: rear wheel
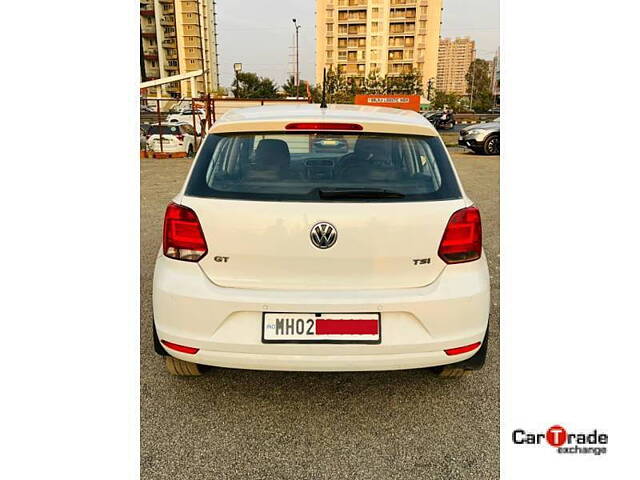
<point x="181" y="368"/>
<point x="492" y="145"/>
<point x="451" y="372"/>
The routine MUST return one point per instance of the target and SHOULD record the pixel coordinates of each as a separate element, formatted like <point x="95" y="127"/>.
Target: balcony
<point x="166" y="1"/>
<point x="149" y="34"/>
<point x="151" y="55"/>
<point x="170" y="68"/>
<point x="147" y="13"/>
<point x="169" y="43"/>
<point x="168" y="21"/>
<point x="171" y="56"/>
<point x="173" y="87"/>
<point x="149" y="29"/>
<point x="152" y="72"/>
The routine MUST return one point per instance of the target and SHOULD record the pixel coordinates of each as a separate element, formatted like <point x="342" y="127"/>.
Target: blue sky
<point x="259" y="33"/>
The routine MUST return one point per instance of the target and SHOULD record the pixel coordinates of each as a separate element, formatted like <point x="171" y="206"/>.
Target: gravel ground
<point x="234" y="424"/>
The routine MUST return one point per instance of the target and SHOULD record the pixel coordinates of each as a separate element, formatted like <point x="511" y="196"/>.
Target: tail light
<point x="461" y="350"/>
<point x="462" y="239"/>
<point x="180" y="348"/>
<point x="180" y="137"/>
<point x="323" y="126"/>
<point x="182" y="236"/>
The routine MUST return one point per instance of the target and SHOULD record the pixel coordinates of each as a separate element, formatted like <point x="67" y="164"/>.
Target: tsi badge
<point x="323" y="235"/>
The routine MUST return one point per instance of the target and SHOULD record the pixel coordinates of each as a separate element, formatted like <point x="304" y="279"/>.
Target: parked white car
<point x="187" y="115"/>
<point x="175" y="137"/>
<point x="277" y="256"/>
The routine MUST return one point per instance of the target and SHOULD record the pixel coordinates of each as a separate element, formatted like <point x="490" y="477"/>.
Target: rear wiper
<point x="358" y="193"/>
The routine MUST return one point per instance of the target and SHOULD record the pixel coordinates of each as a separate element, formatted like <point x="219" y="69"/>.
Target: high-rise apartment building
<point x="454" y="59"/>
<point x="356" y="37"/>
<point x="495" y="77"/>
<point x="179" y="36"/>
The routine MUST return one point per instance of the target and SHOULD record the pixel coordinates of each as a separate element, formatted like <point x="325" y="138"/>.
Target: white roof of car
<point x="276" y="117"/>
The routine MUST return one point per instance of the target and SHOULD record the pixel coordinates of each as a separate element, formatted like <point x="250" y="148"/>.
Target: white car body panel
<point x="236" y="229"/>
<point x="225" y="323"/>
<point x="217" y="306"/>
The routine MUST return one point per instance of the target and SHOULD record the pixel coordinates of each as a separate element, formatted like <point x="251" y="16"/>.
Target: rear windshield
<point x="323" y="167"/>
<point x="164" y="130"/>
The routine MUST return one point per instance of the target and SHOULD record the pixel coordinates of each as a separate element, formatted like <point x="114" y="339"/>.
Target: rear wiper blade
<point x="359" y="193"/>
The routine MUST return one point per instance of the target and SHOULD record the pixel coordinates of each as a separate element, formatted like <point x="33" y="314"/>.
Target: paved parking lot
<point x="235" y="424"/>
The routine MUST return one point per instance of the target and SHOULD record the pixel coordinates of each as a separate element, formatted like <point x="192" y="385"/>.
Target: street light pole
<point x="297" y="60"/>
<point x="429" y="89"/>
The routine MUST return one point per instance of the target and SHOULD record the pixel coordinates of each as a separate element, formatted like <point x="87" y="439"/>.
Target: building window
<point x="329" y="27"/>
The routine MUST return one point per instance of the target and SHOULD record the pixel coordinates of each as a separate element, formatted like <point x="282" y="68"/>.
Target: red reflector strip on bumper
<point x="180" y="348"/>
<point x="465" y="349"/>
<point x="328" y="326"/>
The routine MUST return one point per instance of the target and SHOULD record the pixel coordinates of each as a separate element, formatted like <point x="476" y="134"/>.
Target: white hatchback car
<point x="280" y="256"/>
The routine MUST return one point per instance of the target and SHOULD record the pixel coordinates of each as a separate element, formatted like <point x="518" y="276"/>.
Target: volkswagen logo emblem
<point x="323" y="235"/>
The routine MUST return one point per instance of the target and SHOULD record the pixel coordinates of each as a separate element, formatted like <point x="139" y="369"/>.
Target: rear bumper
<point x="169" y="148"/>
<point x="418" y="324"/>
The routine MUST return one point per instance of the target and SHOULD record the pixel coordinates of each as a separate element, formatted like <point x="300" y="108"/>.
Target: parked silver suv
<point x="482" y="138"/>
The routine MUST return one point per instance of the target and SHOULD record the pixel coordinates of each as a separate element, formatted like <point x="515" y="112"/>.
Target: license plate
<point x="321" y="328"/>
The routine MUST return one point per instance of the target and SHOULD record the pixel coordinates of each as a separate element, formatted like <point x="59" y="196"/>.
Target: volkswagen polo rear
<point x="280" y="256"/>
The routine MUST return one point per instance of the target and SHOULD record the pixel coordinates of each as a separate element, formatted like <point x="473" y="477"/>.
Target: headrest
<point x="372" y="145"/>
<point x="272" y="154"/>
<point x="377" y="148"/>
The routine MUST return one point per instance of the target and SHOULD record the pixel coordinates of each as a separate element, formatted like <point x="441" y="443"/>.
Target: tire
<point x="157" y="346"/>
<point x="492" y="145"/>
<point x="451" y="372"/>
<point x="181" y="368"/>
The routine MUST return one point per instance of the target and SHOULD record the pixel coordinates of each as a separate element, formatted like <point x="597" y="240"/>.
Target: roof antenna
<point x="323" y="103"/>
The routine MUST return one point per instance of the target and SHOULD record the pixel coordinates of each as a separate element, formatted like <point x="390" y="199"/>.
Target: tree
<point x="337" y="88"/>
<point x="290" y="87"/>
<point x="404" y="84"/>
<point x="374" y="83"/>
<point x="342" y="89"/>
<point x="479" y="85"/>
<point x="453" y="100"/>
<point x="253" y="86"/>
